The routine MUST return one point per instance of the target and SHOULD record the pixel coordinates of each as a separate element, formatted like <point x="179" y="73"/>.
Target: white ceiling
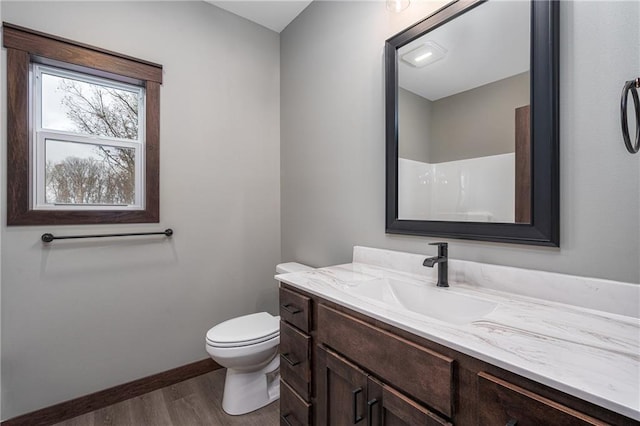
<point x="275" y="15"/>
<point x="486" y="44"/>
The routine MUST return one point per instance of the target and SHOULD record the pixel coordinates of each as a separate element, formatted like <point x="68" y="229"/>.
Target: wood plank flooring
<point x="194" y="402"/>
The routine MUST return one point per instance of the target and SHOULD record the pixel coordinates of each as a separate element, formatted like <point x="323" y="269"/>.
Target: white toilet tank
<point x="285" y="268"/>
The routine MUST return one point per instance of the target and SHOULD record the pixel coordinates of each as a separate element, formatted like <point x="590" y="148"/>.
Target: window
<point x="83" y="133"/>
<point x="87" y="141"/>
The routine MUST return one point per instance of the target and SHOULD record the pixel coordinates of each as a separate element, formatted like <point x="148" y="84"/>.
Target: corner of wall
<point x="2" y="138"/>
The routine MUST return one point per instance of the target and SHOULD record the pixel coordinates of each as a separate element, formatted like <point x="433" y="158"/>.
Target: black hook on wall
<point x="630" y="86"/>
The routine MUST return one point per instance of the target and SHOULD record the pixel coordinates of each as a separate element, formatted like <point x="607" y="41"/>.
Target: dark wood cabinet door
<point x="501" y="402"/>
<point x="388" y="407"/>
<point x="341" y="391"/>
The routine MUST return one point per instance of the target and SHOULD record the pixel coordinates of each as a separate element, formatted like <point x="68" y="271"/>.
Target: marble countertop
<point x="591" y="354"/>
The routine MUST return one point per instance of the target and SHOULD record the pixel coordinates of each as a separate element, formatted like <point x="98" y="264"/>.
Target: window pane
<point x="80" y="173"/>
<point x="88" y="108"/>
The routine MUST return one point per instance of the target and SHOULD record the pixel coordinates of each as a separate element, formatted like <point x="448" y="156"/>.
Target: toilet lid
<point x="245" y="330"/>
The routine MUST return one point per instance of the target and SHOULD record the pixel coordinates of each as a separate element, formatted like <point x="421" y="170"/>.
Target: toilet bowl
<point x="247" y="347"/>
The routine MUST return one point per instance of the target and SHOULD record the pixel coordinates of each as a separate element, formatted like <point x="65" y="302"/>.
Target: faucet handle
<point x="439" y="244"/>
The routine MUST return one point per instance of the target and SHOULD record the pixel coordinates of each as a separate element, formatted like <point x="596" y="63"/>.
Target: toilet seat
<point x="241" y="344"/>
<point x="244" y="331"/>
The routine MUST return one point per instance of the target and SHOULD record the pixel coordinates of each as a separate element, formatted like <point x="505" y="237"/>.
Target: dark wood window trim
<point x="23" y="47"/>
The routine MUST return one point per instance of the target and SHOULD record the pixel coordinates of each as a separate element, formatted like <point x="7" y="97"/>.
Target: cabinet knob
<point x="512" y="422"/>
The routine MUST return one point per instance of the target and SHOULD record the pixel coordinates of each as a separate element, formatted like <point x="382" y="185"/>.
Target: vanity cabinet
<point x="295" y="358"/>
<point x="390" y="407"/>
<point x="364" y="371"/>
<point x="501" y="402"/>
<point x="424" y="374"/>
<point x="294" y="410"/>
<point x="342" y="390"/>
<point x="348" y="395"/>
<point x="295" y="309"/>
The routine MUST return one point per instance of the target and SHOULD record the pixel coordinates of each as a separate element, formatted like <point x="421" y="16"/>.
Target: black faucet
<point x="443" y="260"/>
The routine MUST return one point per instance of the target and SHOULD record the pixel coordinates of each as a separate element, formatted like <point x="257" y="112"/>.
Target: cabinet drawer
<point x="295" y="354"/>
<point x="293" y="409"/>
<point x="503" y="403"/>
<point x="425" y="375"/>
<point x="295" y="309"/>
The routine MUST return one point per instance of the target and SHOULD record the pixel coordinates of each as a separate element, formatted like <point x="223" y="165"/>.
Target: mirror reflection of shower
<point x="460" y="89"/>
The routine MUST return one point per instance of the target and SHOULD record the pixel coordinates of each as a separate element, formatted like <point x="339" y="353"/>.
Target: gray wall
<point x="332" y="126"/>
<point x="414" y="126"/>
<point x="478" y="122"/>
<point x="78" y="317"/>
<point x="475" y="123"/>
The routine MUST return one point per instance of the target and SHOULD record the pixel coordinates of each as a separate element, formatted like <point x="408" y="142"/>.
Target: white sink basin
<point x="443" y="304"/>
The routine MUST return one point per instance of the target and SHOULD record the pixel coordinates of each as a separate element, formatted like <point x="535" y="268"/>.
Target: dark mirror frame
<point x="545" y="182"/>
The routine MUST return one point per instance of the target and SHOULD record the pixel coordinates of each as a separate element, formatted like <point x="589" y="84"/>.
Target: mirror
<point x="471" y="115"/>
<point x="457" y="129"/>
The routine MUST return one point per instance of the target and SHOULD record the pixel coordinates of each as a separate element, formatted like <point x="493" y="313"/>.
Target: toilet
<point x="247" y="347"/>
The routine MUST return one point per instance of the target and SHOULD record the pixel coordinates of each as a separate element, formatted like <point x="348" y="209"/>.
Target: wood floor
<point x="193" y="402"/>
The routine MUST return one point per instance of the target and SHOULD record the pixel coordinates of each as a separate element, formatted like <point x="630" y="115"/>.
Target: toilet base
<point x="248" y="391"/>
